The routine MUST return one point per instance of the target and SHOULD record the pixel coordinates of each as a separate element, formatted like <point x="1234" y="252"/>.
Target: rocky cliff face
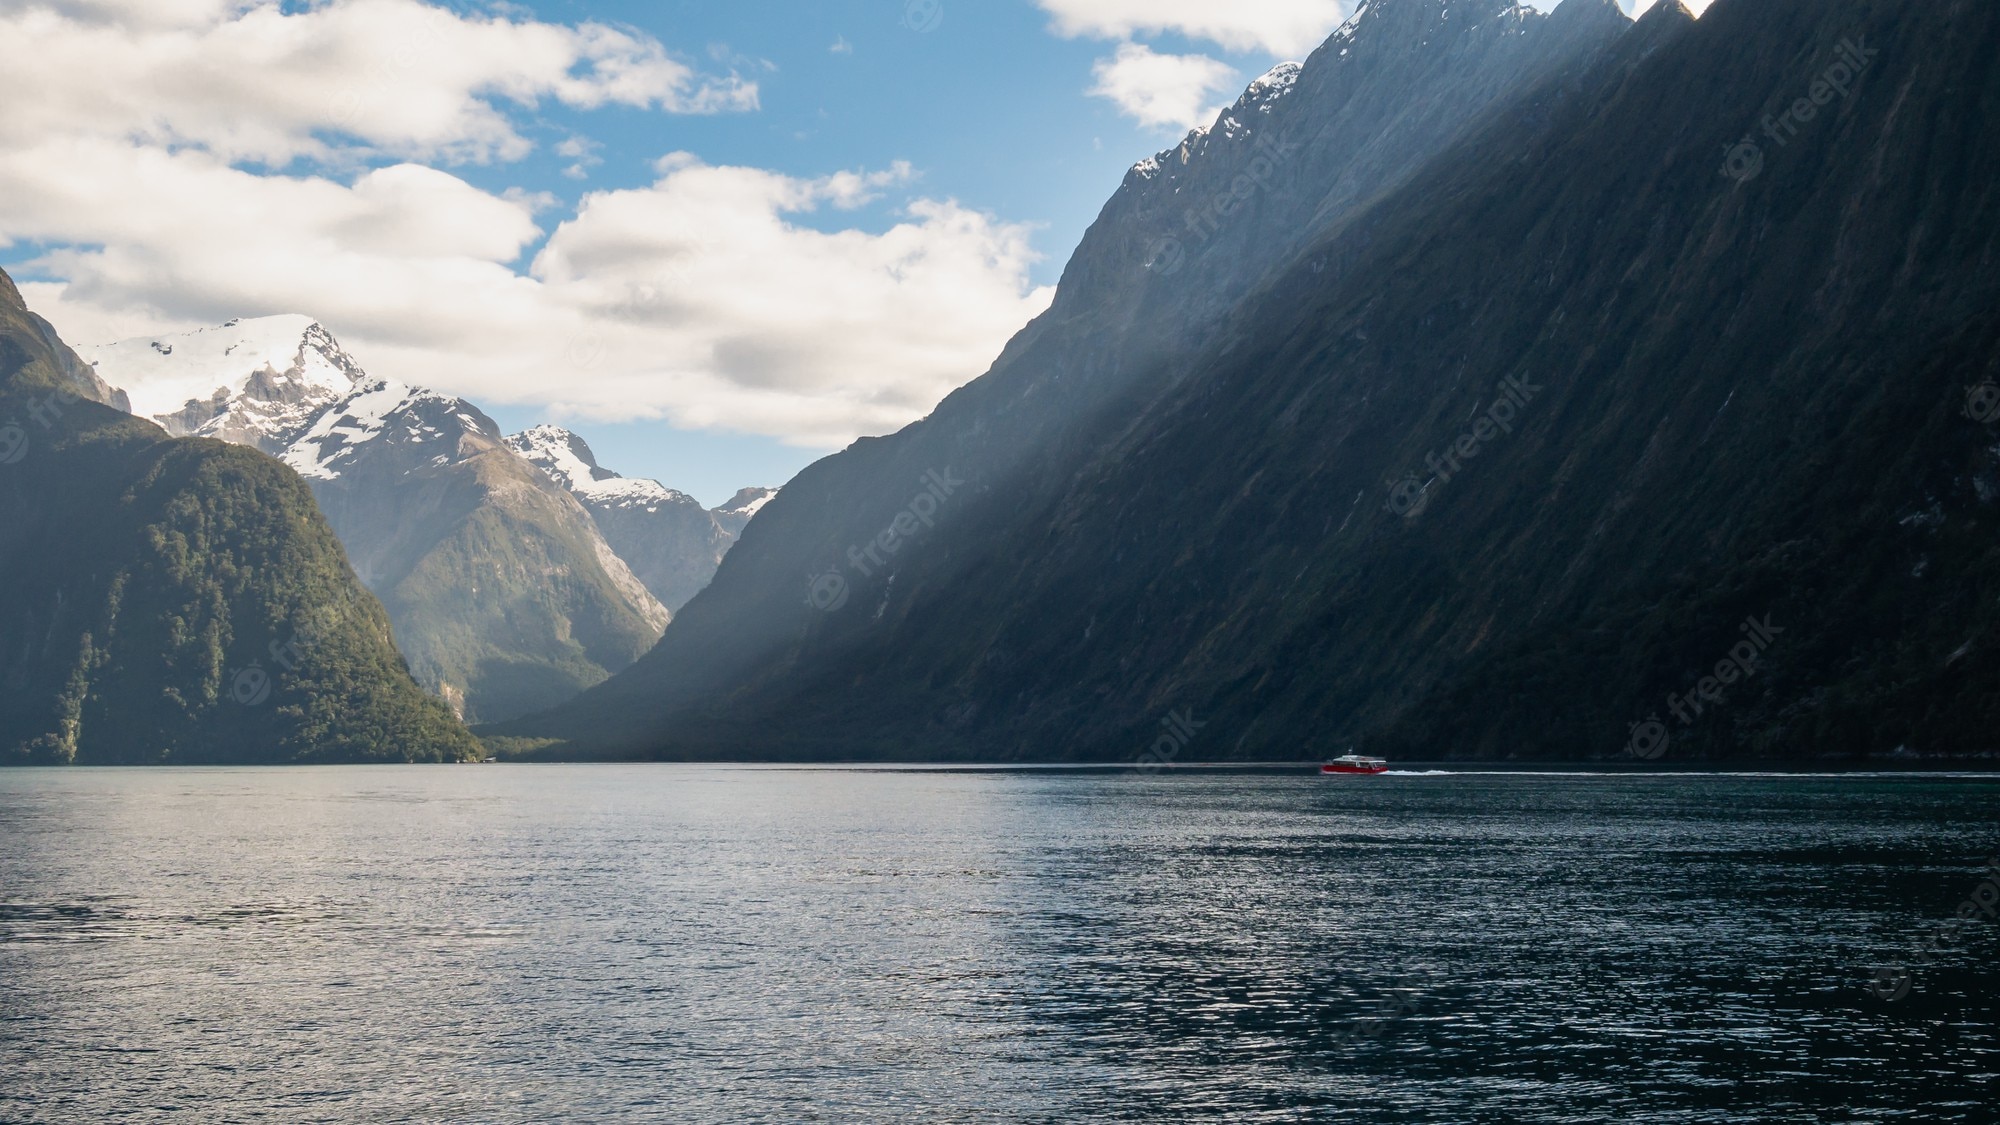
<point x="672" y="543"/>
<point x="1187" y="237"/>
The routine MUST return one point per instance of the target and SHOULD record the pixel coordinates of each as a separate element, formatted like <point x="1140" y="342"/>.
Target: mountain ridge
<point x="1348" y="129"/>
<point x="173" y="600"/>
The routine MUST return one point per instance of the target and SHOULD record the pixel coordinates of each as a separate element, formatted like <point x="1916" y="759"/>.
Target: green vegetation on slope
<point x="178" y="601"/>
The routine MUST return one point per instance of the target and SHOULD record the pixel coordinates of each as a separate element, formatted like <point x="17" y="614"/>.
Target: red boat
<point x="1355" y="763"/>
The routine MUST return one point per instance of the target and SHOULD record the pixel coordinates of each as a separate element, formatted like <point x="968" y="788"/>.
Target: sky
<point x="719" y="240"/>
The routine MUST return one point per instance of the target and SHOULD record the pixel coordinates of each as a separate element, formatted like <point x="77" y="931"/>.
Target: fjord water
<point x="626" y="943"/>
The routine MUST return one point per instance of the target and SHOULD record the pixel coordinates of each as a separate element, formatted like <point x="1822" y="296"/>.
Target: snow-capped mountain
<point x="504" y="593"/>
<point x="379" y="414"/>
<point x="257" y="382"/>
<point x="673" y="544"/>
<point x="746" y="503"/>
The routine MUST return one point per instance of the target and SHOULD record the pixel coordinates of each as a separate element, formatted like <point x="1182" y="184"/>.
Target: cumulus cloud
<point x="1284" y="27"/>
<point x="700" y="293"/>
<point x="257" y="83"/>
<point x="700" y="298"/>
<point x="1163" y="90"/>
<point x="221" y="159"/>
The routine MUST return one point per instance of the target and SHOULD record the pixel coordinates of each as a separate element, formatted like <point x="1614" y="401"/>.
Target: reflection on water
<point x="708" y="944"/>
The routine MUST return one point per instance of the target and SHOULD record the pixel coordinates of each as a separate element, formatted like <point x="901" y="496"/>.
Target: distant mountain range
<point x="672" y="543"/>
<point x="512" y="584"/>
<point x="1494" y="384"/>
<point x="177" y="601"/>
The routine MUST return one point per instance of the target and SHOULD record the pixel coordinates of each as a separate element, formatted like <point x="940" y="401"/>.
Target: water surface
<point x="642" y="943"/>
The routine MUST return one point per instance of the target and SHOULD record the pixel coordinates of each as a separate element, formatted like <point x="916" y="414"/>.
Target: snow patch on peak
<point x="567" y="460"/>
<point x="162" y="374"/>
<point x="381" y="410"/>
<point x="1345" y="32"/>
<point x="564" y="456"/>
<point x="748" y="502"/>
<point x="1273" y="84"/>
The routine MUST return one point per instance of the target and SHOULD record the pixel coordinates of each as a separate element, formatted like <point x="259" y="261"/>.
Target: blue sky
<point x="717" y="239"/>
<point x="989" y="106"/>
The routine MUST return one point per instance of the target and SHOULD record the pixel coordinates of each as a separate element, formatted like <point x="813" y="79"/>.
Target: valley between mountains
<point x="1479" y="387"/>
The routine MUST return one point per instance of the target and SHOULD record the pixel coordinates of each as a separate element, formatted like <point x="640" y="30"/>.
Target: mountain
<point x="504" y="596"/>
<point x="254" y="382"/>
<point x="1654" y="417"/>
<point x="670" y="541"/>
<point x="181" y="601"/>
<point x="735" y="515"/>
<point x="835" y="564"/>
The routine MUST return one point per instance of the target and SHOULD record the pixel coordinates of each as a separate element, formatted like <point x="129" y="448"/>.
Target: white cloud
<point x="255" y="83"/>
<point x="699" y="298"/>
<point x="1163" y="90"/>
<point x="583" y="151"/>
<point x="1285" y="27"/>
<point x="713" y="296"/>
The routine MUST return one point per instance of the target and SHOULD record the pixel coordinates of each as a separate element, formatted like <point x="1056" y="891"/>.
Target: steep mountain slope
<point x="178" y="601"/>
<point x="669" y="540"/>
<point x="1608" y="435"/>
<point x="504" y="595"/>
<point x="254" y="382"/>
<point x="1185" y="237"/>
